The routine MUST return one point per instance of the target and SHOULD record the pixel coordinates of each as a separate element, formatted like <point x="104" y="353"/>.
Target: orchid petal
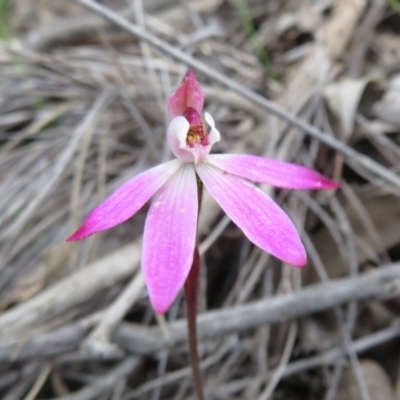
<point x="214" y="136"/>
<point x="126" y="200"/>
<point x="253" y="211"/>
<point x="272" y="172"/>
<point x="188" y="94"/>
<point x="176" y="135"/>
<point x="169" y="238"/>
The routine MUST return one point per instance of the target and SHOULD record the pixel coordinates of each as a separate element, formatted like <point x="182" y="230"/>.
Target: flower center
<point x="197" y="134"/>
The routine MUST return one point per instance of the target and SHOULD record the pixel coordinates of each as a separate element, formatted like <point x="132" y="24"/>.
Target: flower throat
<point x="197" y="134"/>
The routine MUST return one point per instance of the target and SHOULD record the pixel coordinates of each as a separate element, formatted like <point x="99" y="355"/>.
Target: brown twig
<point x="71" y="291"/>
<point x="314" y="298"/>
<point x="141" y="340"/>
<point x="105" y="383"/>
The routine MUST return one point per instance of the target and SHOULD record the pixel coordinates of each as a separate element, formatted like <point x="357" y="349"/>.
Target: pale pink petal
<point x="188" y="94"/>
<point x="169" y="238"/>
<point x="176" y="135"/>
<point x="259" y="217"/>
<point x="126" y="200"/>
<point x="272" y="172"/>
<point x="214" y="136"/>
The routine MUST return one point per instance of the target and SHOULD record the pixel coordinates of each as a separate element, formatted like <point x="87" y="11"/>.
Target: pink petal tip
<point x="80" y="234"/>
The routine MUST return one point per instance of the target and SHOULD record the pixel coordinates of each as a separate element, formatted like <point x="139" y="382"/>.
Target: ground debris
<point x="83" y="108"/>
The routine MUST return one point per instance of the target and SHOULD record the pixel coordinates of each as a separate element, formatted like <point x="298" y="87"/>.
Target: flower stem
<point x="191" y="314"/>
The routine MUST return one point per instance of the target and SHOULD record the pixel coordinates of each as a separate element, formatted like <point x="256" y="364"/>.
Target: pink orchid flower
<point x="170" y="231"/>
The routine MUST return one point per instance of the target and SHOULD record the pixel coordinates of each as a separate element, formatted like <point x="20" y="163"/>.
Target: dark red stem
<point x="191" y="314"/>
